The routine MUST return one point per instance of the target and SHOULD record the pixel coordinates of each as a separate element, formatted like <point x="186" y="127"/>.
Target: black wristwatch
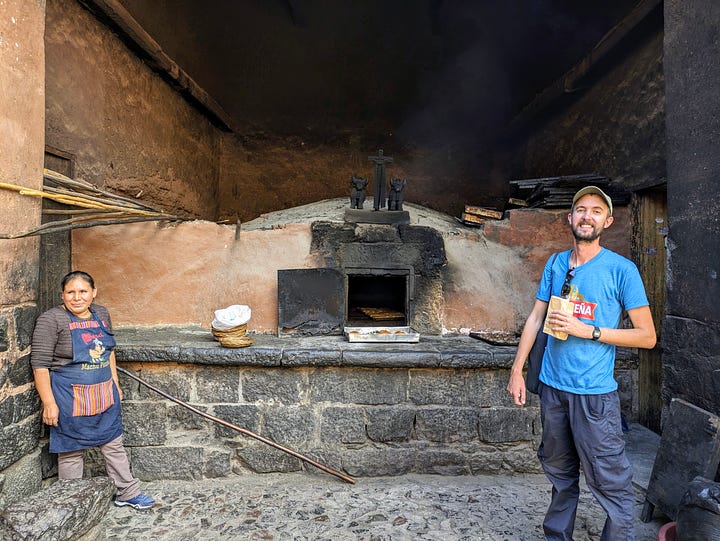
<point x="596" y="334"/>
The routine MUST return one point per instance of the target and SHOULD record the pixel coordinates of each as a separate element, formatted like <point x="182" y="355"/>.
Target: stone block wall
<point x="20" y="402"/>
<point x="20" y="465"/>
<point x="363" y="421"/>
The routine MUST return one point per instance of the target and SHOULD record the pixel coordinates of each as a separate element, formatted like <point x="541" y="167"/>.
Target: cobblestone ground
<point x="305" y="506"/>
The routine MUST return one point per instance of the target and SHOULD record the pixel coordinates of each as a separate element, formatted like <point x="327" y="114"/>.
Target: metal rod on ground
<point x="237" y="428"/>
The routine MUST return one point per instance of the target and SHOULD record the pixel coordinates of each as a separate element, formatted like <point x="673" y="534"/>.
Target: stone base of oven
<point x="388" y="217"/>
<point x="437" y="406"/>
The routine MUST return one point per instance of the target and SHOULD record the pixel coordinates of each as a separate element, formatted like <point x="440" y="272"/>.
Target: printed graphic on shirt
<point x="582" y="308"/>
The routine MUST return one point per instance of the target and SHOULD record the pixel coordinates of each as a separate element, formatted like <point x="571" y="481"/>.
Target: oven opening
<point x="377" y="299"/>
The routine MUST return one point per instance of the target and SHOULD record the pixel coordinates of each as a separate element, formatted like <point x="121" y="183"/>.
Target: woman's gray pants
<point x="71" y="466"/>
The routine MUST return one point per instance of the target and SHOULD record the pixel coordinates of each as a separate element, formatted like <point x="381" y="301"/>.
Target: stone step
<point x="64" y="510"/>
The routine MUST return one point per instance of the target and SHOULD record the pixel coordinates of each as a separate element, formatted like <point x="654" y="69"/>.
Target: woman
<point x="74" y="367"/>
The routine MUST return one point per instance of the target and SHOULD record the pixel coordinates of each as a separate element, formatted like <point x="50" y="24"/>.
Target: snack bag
<point x="563" y="305"/>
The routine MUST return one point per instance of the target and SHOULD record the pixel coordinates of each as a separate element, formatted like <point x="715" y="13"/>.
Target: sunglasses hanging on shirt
<point x="569" y="275"/>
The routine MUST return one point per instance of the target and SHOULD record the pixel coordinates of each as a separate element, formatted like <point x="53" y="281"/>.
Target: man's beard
<point x="580" y="237"/>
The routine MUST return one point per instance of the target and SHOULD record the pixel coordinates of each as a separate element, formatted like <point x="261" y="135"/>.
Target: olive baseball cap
<point x="594" y="190"/>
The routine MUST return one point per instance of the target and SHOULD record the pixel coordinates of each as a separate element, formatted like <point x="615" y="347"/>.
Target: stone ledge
<point x="195" y="345"/>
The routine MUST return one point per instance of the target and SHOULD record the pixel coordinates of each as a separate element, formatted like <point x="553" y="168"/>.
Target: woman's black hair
<point x="77" y="274"/>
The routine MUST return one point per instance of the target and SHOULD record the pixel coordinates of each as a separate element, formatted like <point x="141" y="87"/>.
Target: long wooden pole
<point x="98" y="207"/>
<point x="238" y="429"/>
<point x="65" y="225"/>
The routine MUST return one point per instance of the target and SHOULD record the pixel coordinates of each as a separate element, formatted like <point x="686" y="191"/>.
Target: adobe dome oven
<point x="376" y="275"/>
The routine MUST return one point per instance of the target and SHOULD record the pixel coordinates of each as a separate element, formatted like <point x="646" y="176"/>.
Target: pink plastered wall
<point x="150" y="274"/>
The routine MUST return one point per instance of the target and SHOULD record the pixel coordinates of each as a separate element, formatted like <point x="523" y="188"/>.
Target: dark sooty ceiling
<point x="421" y="70"/>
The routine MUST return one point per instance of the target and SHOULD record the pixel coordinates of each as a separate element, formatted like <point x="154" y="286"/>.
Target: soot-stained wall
<point x="691" y="332"/>
<point x="128" y="128"/>
<point x="312" y="92"/>
<point x="315" y="87"/>
<point x="613" y="124"/>
<point x="266" y="173"/>
<point x="132" y="132"/>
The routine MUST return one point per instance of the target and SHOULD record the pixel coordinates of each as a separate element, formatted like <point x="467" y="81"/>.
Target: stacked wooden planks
<point x="558" y="192"/>
<point x="478" y="215"/>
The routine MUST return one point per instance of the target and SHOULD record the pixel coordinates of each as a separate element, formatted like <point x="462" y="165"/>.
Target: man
<point x="579" y="403"/>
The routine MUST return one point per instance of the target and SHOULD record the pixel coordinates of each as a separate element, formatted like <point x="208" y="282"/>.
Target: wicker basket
<point x="233" y="338"/>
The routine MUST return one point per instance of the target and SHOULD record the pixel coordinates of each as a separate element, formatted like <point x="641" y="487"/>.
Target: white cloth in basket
<point x="231" y="317"/>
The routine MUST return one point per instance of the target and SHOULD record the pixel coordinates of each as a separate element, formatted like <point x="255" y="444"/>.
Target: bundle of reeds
<point x="94" y="206"/>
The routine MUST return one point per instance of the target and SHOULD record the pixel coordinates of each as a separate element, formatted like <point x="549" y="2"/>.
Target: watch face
<point x="596" y="333"/>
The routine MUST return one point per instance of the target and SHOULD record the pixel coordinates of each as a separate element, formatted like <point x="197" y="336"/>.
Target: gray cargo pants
<point x="585" y="430"/>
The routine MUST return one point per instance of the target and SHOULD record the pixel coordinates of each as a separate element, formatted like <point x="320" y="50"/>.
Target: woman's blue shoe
<point x="141" y="501"/>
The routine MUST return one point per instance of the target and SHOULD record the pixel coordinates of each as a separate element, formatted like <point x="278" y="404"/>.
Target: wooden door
<point x="650" y="254"/>
<point x="55" y="248"/>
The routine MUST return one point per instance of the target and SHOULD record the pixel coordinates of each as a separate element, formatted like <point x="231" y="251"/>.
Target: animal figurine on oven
<point x="357" y="195"/>
<point x="395" y="195"/>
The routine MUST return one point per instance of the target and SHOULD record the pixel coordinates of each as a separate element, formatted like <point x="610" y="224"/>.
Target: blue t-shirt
<point x="601" y="289"/>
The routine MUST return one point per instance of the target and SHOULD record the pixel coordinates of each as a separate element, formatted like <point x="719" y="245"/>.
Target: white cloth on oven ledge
<point x="231" y="317"/>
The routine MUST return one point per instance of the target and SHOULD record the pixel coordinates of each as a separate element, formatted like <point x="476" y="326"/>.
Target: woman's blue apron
<point x="84" y="391"/>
